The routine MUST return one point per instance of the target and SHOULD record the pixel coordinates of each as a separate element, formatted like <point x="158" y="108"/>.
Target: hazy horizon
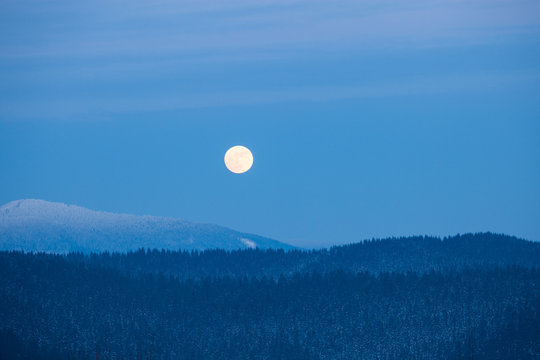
<point x="307" y="245"/>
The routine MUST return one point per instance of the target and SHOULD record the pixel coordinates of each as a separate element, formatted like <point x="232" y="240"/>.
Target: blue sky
<point x="365" y="118"/>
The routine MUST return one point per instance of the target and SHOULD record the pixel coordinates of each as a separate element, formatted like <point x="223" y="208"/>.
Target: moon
<point x="238" y="159"/>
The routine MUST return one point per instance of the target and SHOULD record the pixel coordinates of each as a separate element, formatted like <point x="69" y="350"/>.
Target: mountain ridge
<point x="39" y="225"/>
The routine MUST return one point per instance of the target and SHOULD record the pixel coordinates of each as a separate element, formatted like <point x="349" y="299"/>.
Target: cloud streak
<point x="105" y="107"/>
<point x="180" y="28"/>
<point x="64" y="59"/>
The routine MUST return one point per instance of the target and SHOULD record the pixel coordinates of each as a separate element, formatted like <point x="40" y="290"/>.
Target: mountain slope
<point x="37" y="225"/>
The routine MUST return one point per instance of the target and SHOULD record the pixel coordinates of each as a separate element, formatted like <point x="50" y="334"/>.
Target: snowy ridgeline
<point x="37" y="225"/>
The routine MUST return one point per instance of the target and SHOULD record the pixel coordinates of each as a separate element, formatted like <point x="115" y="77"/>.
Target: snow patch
<point x="249" y="243"/>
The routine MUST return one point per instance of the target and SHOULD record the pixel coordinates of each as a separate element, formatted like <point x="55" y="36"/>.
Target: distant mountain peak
<point x="38" y="225"/>
<point x="25" y="205"/>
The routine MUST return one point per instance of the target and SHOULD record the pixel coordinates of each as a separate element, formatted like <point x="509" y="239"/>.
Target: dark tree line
<point x="165" y="305"/>
<point x="417" y="254"/>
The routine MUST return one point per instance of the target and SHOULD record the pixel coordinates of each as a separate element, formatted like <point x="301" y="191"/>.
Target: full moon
<point x="238" y="159"/>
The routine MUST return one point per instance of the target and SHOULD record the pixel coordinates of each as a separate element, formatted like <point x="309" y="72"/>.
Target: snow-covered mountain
<point x="37" y="225"/>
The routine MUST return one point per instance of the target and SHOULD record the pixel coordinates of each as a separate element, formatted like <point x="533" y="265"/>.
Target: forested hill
<point x="465" y="297"/>
<point x="55" y="309"/>
<point x="417" y="254"/>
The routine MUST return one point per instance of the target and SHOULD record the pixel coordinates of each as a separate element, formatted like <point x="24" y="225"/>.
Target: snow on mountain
<point x="37" y="225"/>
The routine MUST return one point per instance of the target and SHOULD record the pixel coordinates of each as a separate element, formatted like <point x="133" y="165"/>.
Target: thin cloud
<point x="93" y="108"/>
<point x="172" y="28"/>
